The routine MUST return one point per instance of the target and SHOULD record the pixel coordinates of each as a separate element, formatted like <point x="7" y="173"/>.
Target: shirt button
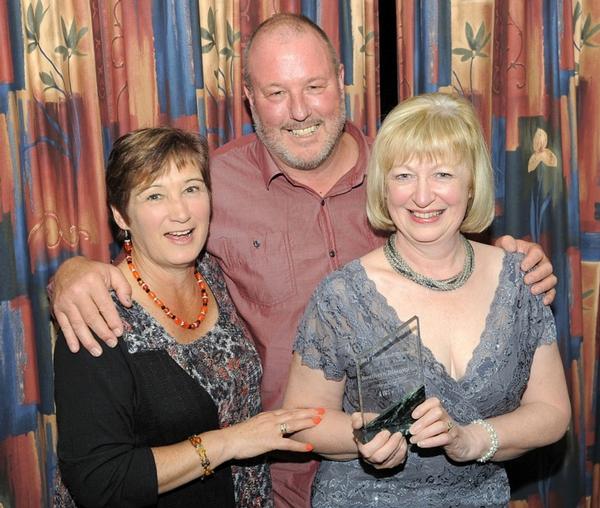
<point x="322" y="202"/>
<point x="331" y="253"/>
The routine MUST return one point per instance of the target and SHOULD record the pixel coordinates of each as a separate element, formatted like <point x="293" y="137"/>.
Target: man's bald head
<point x="285" y="25"/>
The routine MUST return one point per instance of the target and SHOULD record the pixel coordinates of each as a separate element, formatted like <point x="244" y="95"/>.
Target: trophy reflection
<point x="390" y="381"/>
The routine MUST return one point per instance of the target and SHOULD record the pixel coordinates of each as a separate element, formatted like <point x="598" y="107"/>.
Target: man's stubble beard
<point x="277" y="148"/>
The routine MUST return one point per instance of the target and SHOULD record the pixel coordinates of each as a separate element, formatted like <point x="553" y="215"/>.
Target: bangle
<point x="493" y="440"/>
<point x="196" y="442"/>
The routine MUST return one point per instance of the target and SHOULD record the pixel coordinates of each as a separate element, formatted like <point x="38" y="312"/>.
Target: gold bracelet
<point x="196" y="442"/>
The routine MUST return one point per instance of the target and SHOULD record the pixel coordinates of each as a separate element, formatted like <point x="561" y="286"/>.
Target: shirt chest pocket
<point x="261" y="267"/>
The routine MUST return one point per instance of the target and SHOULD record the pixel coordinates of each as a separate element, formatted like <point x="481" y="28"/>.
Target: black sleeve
<point x="100" y="462"/>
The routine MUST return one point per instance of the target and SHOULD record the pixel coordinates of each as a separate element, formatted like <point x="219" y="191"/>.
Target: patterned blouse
<point x="223" y="363"/>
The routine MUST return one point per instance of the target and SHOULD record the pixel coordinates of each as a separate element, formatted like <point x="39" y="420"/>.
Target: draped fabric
<point x="531" y="68"/>
<point x="75" y="75"/>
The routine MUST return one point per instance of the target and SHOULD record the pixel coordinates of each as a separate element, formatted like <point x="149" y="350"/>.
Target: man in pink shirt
<point x="288" y="208"/>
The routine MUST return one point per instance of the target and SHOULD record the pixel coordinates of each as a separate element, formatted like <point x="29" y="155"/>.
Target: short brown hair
<point x="437" y="127"/>
<point x="143" y="155"/>
<point x="293" y="22"/>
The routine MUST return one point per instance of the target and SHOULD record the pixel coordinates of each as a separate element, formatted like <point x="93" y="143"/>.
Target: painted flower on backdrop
<point x="541" y="152"/>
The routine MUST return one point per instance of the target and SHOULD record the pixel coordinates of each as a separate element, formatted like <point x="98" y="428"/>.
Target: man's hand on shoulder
<point x="80" y="301"/>
<point x="541" y="277"/>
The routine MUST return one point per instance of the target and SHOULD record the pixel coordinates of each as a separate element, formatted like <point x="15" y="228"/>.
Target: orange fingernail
<point x="309" y="447"/>
<point x="316" y="419"/>
<point x="321" y="410"/>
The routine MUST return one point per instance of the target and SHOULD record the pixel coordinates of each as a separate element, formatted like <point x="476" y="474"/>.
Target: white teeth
<point x="427" y="215"/>
<point x="180" y="233"/>
<point x="304" y="132"/>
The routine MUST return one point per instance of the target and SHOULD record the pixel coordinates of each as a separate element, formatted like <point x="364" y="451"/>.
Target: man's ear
<point x="341" y="77"/>
<point x="249" y="95"/>
<point x="121" y="222"/>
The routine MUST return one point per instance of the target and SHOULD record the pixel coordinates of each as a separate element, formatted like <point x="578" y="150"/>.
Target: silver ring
<point x="283" y="428"/>
<point x="450" y="425"/>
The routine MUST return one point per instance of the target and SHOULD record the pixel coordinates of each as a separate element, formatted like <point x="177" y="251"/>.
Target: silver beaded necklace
<point x="402" y="267"/>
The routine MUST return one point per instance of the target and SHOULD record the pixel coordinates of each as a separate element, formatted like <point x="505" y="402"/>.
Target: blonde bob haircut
<point x="432" y="127"/>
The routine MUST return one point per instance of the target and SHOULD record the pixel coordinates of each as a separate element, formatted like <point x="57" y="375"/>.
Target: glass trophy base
<point x="395" y="419"/>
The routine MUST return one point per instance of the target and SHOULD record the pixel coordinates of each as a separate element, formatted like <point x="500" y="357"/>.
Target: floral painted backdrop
<point x="76" y="74"/>
<point x="531" y="69"/>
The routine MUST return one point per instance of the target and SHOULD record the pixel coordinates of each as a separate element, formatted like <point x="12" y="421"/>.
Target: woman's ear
<point x="121" y="222"/>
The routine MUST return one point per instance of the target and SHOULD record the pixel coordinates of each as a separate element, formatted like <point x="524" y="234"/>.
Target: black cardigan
<point x="112" y="409"/>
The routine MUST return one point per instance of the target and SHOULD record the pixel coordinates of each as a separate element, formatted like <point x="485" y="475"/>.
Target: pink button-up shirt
<point x="275" y="240"/>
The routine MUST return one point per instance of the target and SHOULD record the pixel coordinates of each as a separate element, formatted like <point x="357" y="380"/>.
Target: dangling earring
<point x="127" y="242"/>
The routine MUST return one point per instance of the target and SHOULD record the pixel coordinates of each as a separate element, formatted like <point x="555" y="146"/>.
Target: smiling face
<point x="436" y="141"/>
<point x="427" y="200"/>
<point x="168" y="217"/>
<point x="296" y="97"/>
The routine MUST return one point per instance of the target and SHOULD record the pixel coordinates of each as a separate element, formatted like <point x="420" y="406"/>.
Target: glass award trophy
<point x="390" y="381"/>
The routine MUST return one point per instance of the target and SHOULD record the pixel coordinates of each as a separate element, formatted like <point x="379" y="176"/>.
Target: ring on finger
<point x="283" y="428"/>
<point x="450" y="425"/>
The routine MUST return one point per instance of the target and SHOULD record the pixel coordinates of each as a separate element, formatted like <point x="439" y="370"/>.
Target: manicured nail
<point x="96" y="351"/>
<point x="321" y="410"/>
<point x="111" y="342"/>
<point x="309" y="447"/>
<point x="316" y="420"/>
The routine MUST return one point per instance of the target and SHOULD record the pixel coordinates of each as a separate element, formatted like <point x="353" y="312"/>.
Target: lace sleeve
<point x="320" y="338"/>
<point x="546" y="325"/>
<point x="540" y="320"/>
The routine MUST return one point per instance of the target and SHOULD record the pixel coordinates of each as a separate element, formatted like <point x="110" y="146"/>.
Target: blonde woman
<point x="493" y="373"/>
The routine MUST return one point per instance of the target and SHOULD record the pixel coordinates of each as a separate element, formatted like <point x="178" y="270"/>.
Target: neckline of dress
<point x="168" y="337"/>
<point x="484" y="337"/>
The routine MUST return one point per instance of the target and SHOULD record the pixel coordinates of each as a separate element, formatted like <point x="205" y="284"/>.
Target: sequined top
<point x="348" y="314"/>
<point x="153" y="391"/>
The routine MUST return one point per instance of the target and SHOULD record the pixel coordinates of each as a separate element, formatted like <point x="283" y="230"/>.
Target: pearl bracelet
<point x="493" y="440"/>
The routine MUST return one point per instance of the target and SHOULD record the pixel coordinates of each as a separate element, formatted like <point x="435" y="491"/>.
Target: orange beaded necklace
<point x="178" y="321"/>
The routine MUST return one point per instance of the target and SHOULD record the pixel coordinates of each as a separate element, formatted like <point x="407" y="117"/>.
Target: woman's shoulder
<point x="209" y="268"/>
<point x="142" y="331"/>
<point x="342" y="279"/>
<point x="126" y="313"/>
<point x="212" y="273"/>
<point x="505" y="268"/>
<point x="492" y="251"/>
<point x="497" y="259"/>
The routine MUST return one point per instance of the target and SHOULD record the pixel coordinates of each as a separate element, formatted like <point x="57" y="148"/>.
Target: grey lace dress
<point x="347" y="312"/>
